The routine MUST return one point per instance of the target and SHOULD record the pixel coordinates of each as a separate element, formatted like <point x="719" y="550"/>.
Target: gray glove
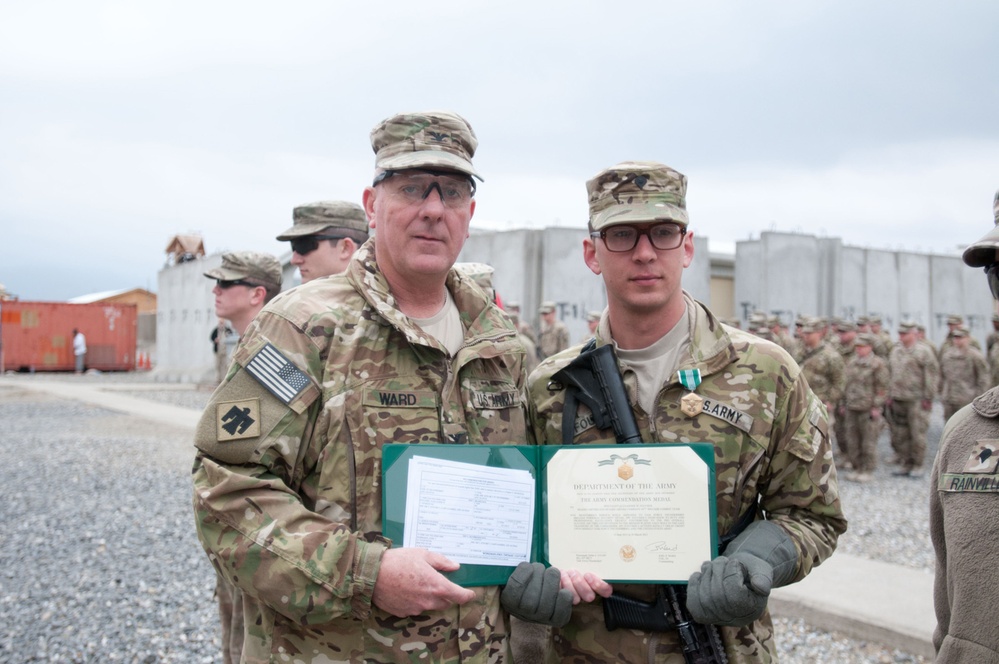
<point x="733" y="589"/>
<point x="533" y="594"/>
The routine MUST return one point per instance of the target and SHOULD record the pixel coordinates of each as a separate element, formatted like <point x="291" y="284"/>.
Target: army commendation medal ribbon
<point x="691" y="403"/>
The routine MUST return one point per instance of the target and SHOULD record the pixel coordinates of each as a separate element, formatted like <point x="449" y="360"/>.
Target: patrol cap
<point x="253" y="266"/>
<point x="546" y="307"/>
<point x="592" y="316"/>
<point x="907" y="326"/>
<point x="960" y="331"/>
<point x="513" y="306"/>
<point x="955" y="319"/>
<point x="480" y="273"/>
<point x="863" y="320"/>
<point x="315" y="218"/>
<point x="637" y="191"/>
<point x="865" y="339"/>
<point x="846" y="326"/>
<point x="428" y="139"/>
<point x="811" y="325"/>
<point x="983" y="252"/>
<point x="874" y="319"/>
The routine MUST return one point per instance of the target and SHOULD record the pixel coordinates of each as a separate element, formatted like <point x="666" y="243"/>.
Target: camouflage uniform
<point x="290" y="510"/>
<point x="772" y="445"/>
<point x="913" y="382"/>
<point x="823" y="369"/>
<point x="553" y="339"/>
<point x="965" y="375"/>
<point x="865" y="391"/>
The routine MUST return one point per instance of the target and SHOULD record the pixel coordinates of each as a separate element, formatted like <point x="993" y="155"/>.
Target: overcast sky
<point x="125" y="123"/>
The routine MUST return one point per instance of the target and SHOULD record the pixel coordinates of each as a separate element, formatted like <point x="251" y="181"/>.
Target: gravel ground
<point x="128" y="581"/>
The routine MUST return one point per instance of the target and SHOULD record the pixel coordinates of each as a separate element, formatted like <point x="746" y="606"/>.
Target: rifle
<point x="594" y="379"/>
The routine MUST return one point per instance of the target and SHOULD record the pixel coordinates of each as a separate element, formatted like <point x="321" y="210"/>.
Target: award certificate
<point x="640" y="513"/>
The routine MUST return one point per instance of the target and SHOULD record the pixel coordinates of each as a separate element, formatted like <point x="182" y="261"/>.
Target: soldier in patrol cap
<point x="554" y="335"/>
<point x="964" y="510"/>
<point x="592" y="320"/>
<point x="864" y="395"/>
<point x="244" y="283"/>
<point x="324" y="236"/>
<point x="914" y="378"/>
<point x="686" y="377"/>
<point x="400" y="348"/>
<point x="964" y="373"/>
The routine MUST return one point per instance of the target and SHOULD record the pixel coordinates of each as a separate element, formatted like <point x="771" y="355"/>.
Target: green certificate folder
<point x="635" y="513"/>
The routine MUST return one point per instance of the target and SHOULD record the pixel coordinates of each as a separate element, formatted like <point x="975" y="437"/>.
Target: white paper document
<point x="473" y="514"/>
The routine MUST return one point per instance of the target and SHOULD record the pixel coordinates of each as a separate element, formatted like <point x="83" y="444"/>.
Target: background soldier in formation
<point x="913" y="387"/>
<point x="554" y="336"/>
<point x="823" y="369"/>
<point x="638" y="228"/>
<point x="864" y="396"/>
<point x="964" y="511"/>
<point x="963" y="371"/>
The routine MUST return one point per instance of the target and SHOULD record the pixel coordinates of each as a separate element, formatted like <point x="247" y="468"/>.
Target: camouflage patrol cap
<point x="637" y="191"/>
<point x="513" y="306"/>
<point x="846" y="326"/>
<point x="983" y="252"/>
<point x="960" y="331"/>
<point x="955" y="319"/>
<point x="907" y="326"/>
<point x="546" y="307"/>
<point x="865" y="339"/>
<point x="480" y="273"/>
<point x="811" y="325"/>
<point x="874" y="319"/>
<point x="430" y="139"/>
<point x="314" y="218"/>
<point x="592" y="316"/>
<point x="863" y="320"/>
<point x="253" y="266"/>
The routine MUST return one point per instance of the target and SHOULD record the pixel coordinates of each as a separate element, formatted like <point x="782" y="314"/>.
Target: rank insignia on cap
<point x="277" y="373"/>
<point x="236" y="420"/>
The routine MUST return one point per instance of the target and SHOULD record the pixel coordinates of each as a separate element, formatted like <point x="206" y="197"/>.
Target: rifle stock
<point x="593" y="378"/>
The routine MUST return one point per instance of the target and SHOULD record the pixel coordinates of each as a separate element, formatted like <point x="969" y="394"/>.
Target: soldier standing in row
<point x="864" y="396"/>
<point x="323" y="236"/>
<point x="244" y="283"/>
<point x="913" y="386"/>
<point x="823" y="369"/>
<point x="554" y="337"/>
<point x="963" y="371"/>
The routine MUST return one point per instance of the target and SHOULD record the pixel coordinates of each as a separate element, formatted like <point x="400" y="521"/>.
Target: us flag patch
<point x="276" y="372"/>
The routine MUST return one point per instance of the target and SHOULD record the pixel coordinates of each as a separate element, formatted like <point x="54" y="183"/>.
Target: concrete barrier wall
<point x="780" y="273"/>
<point x="784" y="273"/>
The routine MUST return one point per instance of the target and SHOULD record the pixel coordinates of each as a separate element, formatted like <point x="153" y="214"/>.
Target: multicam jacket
<point x="913" y="373"/>
<point x="964" y="374"/>
<point x="771" y="445"/>
<point x="287" y="484"/>
<point x="823" y="369"/>
<point x="866" y="382"/>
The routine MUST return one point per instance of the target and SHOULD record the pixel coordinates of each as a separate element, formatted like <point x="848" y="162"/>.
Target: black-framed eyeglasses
<point x="414" y="186"/>
<point x="226" y="284"/>
<point x="309" y="243"/>
<point x="623" y="237"/>
<point x="992" y="273"/>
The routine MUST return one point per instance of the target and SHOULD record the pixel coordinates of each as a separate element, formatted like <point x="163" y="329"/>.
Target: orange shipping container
<point x="38" y="336"/>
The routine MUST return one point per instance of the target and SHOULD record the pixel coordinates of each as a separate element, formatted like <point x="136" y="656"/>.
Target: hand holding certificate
<point x="636" y="513"/>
